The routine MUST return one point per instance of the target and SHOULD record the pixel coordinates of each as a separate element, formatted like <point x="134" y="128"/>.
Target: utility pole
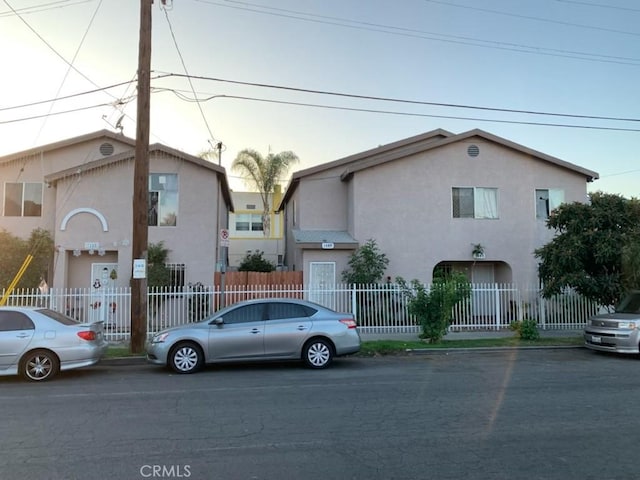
<point x="139" y="290"/>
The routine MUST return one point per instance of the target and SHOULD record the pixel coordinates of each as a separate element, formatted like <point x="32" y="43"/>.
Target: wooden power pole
<point x="139" y="290"/>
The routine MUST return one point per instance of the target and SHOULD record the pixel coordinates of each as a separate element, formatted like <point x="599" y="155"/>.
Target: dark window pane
<point x="287" y="310"/>
<point x="32" y="199"/>
<point x="11" y="321"/>
<point x="13" y="199"/>
<point x="248" y="313"/>
<point x="152" y="217"/>
<point x="462" y="202"/>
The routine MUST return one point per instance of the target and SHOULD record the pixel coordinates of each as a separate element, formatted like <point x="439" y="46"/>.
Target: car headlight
<point x="159" y="338"/>
<point x="627" y="325"/>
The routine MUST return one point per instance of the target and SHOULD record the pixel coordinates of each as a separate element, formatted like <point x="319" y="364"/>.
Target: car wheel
<point x="318" y="353"/>
<point x="186" y="358"/>
<point x="39" y="365"/>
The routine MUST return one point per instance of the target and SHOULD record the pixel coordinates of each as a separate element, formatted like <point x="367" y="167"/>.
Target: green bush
<point x="366" y="265"/>
<point x="526" y="329"/>
<point x="434" y="307"/>
<point x="255" y="262"/>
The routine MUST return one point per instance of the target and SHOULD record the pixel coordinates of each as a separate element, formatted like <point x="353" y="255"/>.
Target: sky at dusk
<point x="330" y="78"/>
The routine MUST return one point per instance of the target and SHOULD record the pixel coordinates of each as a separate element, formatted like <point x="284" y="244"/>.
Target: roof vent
<point x="106" y="149"/>
<point x="473" y="151"/>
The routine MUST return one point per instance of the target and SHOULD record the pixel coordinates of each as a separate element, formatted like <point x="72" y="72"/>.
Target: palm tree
<point x="264" y="173"/>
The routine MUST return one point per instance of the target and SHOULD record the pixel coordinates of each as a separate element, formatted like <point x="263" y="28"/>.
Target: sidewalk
<point x="467" y="335"/>
<point x="368" y="337"/>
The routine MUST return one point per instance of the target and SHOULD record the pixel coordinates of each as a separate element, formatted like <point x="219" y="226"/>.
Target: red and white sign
<point x="224" y="237"/>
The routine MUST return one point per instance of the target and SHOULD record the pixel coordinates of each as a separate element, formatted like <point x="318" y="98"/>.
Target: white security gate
<point x="102" y="306"/>
<point x="322" y="282"/>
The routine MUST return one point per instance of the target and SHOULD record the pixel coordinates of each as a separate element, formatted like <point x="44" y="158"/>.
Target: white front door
<point x="322" y="282"/>
<point x="103" y="280"/>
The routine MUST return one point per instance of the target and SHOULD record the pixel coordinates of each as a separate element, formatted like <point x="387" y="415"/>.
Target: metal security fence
<point x="379" y="308"/>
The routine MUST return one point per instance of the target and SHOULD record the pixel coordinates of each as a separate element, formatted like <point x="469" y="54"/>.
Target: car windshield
<point x="58" y="317"/>
<point x="630" y="304"/>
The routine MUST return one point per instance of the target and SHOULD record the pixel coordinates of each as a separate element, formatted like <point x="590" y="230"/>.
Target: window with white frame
<point x="163" y="200"/>
<point x="547" y="200"/>
<point x="22" y="199"/>
<point x="474" y="202"/>
<point x="248" y="222"/>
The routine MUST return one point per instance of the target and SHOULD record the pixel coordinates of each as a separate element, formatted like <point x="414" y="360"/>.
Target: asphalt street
<point x="528" y="414"/>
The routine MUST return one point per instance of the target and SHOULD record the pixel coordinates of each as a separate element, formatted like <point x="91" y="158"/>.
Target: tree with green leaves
<point x="595" y="250"/>
<point x="255" y="262"/>
<point x="433" y="307"/>
<point x="366" y="265"/>
<point x="14" y="251"/>
<point x="264" y="173"/>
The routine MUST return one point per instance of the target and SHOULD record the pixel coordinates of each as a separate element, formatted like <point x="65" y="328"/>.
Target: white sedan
<point x="37" y="343"/>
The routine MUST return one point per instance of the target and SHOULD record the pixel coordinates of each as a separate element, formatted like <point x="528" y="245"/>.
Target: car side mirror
<point x="218" y="321"/>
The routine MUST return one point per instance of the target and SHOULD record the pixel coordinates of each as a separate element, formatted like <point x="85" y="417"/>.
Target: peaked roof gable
<point x="130" y="155"/>
<point x="418" y="144"/>
<point x="107" y="134"/>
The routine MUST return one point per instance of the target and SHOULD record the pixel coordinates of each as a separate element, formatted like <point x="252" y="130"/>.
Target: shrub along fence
<point x="379" y="308"/>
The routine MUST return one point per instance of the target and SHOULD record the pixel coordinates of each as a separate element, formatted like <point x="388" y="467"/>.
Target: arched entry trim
<point x="92" y="211"/>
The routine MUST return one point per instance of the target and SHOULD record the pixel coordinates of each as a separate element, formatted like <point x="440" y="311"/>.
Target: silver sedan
<point x="37" y="342"/>
<point x="264" y="329"/>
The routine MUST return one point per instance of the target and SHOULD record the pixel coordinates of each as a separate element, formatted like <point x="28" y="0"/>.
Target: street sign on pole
<point x="224" y="237"/>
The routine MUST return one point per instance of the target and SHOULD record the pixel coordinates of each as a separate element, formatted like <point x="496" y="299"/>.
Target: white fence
<point x="378" y="308"/>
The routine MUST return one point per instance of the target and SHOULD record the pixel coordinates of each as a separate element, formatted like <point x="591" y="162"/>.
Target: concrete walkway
<point x="467" y="335"/>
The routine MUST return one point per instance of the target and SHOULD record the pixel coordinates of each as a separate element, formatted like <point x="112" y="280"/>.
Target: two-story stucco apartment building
<point x="81" y="190"/>
<point x="430" y="201"/>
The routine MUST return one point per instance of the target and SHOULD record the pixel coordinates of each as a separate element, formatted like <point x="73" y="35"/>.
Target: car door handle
<point x="255" y="330"/>
<point x="301" y="327"/>
<point x="22" y="335"/>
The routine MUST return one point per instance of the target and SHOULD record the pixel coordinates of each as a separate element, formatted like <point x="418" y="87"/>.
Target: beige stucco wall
<point x="105" y="194"/>
<point x="34" y="166"/>
<point x="406" y="206"/>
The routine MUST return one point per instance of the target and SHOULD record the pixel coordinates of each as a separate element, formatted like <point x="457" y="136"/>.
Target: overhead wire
<point x="537" y="19"/>
<point x="424" y="115"/>
<point x="44" y="7"/>
<point x="601" y="5"/>
<point x="184" y="66"/>
<point x="66" y="75"/>
<point x="401" y="100"/>
<point x="421" y="34"/>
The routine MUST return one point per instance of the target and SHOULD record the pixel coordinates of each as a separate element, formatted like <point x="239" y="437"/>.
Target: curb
<point x="142" y="360"/>
<point x="447" y="351"/>
<point x="124" y="361"/>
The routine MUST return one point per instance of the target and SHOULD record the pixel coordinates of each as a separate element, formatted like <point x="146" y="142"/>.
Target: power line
<point x="43" y="7"/>
<point x="421" y="34"/>
<point x="410" y="114"/>
<point x="66" y="75"/>
<point x="75" y="95"/>
<point x="400" y="100"/>
<point x="601" y="5"/>
<point x="51" y="114"/>
<point x="184" y="66"/>
<point x="537" y="19"/>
